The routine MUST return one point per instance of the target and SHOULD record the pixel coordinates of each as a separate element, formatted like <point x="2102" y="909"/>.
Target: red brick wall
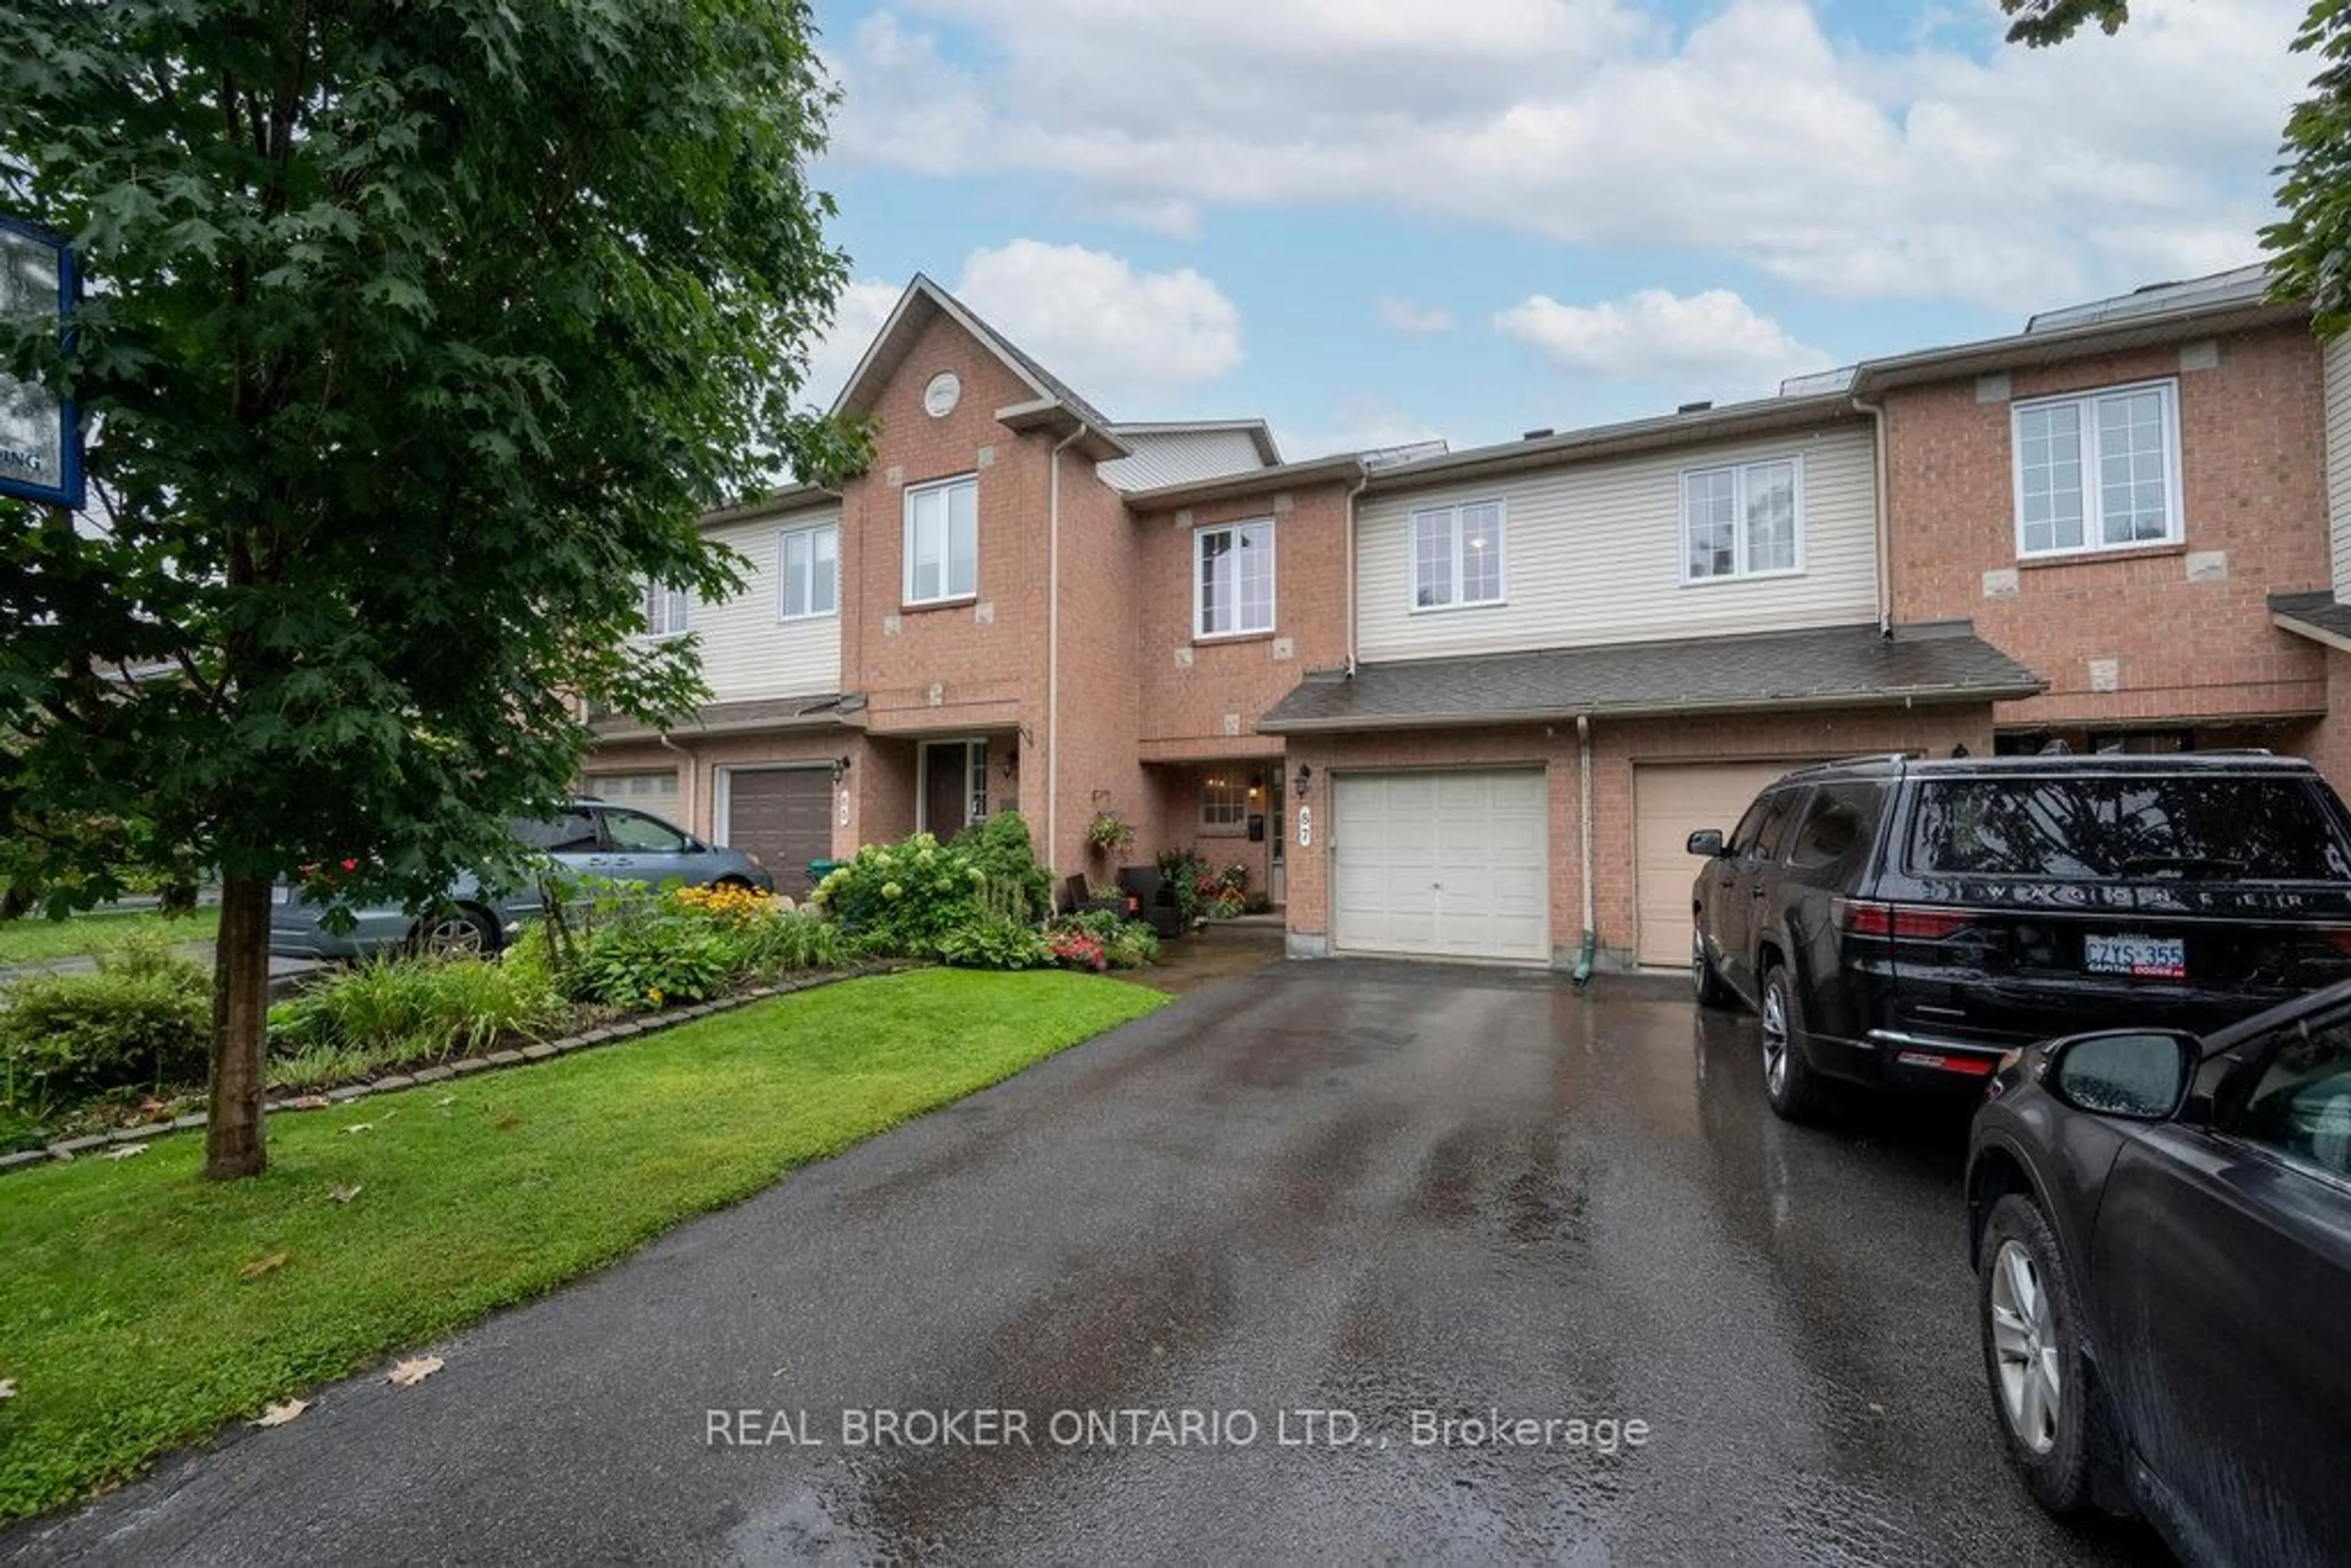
<point x="2251" y="461"/>
<point x="1618" y="747"/>
<point x="986" y="658"/>
<point x="1099" y="588"/>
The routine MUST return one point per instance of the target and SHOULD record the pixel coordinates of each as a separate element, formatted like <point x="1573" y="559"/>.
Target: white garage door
<point x="1670" y="804"/>
<point x="654" y="790"/>
<point x="1452" y="865"/>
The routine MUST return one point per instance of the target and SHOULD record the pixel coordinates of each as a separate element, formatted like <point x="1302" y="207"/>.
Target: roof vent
<point x="1535" y="434"/>
<point x="1695" y="407"/>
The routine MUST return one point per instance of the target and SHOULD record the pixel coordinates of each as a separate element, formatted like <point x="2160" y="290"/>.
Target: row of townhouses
<point x="1470" y="704"/>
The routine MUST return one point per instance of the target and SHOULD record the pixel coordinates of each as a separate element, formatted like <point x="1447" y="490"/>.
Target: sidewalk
<point x="283" y="972"/>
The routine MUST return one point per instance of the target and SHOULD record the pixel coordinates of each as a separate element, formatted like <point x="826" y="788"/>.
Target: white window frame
<point x="784" y="572"/>
<point x="1216" y="825"/>
<point x="949" y="594"/>
<point x="1739" y="572"/>
<point x="1200" y="632"/>
<point x="1452" y="514"/>
<point x="2093" y="520"/>
<point x="677" y="612"/>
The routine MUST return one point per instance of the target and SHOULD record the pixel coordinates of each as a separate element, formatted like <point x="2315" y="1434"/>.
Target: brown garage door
<point x="1670" y="803"/>
<point x="783" y="815"/>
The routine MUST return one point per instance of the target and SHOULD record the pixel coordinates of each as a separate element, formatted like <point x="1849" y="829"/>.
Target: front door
<point x="954" y="786"/>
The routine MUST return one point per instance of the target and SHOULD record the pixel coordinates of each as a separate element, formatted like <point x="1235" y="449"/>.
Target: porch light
<point x="1305" y="780"/>
<point x="840" y="768"/>
<point x="1010" y="766"/>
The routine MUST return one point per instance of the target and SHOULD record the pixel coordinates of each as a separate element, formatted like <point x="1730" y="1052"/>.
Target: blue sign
<point x="40" y="441"/>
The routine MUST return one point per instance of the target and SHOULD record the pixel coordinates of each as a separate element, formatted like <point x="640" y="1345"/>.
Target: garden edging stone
<point x="530" y="1055"/>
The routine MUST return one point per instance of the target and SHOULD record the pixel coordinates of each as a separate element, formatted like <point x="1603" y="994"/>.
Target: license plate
<point x="2141" y="957"/>
<point x="280" y="894"/>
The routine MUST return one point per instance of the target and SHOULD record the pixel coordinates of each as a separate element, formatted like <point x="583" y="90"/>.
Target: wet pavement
<point x="1406" y="1195"/>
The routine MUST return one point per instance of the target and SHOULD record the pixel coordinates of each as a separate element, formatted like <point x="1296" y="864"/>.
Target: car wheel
<point x="733" y="883"/>
<point x="1789" y="1081"/>
<point x="457" y="933"/>
<point x="1704" y="982"/>
<point x="2032" y="1355"/>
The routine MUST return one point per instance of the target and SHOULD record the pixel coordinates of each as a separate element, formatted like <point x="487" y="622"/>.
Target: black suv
<point x="1905" y="921"/>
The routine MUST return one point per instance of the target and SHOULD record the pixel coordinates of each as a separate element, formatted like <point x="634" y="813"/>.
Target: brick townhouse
<point x="1469" y="705"/>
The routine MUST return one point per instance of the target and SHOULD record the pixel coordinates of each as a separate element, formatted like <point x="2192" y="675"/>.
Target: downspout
<point x="1876" y="412"/>
<point x="1583" y="973"/>
<point x="1351" y="497"/>
<point x="1053" y="649"/>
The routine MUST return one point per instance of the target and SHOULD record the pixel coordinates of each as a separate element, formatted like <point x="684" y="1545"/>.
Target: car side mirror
<point x="2131" y="1074"/>
<point x="1707" y="841"/>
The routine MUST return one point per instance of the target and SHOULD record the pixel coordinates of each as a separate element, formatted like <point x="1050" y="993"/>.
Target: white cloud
<point x="1110" y="332"/>
<point x="857" y="317"/>
<point x="1716" y="337"/>
<point x="1408" y="316"/>
<point x="1946" y="167"/>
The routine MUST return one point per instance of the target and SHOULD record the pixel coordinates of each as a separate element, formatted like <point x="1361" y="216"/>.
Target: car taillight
<point x="2339" y="938"/>
<point x="1898" y="922"/>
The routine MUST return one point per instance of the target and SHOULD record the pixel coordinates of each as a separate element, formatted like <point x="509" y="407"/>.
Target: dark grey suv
<point x="1905" y="921"/>
<point x="590" y="839"/>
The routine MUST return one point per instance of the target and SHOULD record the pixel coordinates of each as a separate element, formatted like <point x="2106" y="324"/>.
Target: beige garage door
<point x="1670" y="803"/>
<point x="1453" y="865"/>
<point x="651" y="790"/>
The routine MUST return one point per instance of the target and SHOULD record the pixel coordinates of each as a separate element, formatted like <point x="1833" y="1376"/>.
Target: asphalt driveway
<point x="1407" y="1196"/>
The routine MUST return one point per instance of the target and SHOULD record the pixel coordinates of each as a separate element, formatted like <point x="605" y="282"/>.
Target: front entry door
<point x="954" y="786"/>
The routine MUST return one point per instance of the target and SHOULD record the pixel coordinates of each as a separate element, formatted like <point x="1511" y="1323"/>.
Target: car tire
<point x="2030" y="1320"/>
<point x="1705" y="984"/>
<point x="733" y="883"/>
<point x="1789" y="1081"/>
<point x="458" y="932"/>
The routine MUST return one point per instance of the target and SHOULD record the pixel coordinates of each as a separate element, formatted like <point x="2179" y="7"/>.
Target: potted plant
<point x="1108" y="833"/>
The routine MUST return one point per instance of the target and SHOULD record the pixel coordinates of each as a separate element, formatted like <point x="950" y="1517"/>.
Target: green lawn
<point x="35" y="938"/>
<point x="128" y="1329"/>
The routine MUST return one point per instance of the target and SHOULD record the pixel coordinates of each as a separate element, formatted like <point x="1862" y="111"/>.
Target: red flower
<point x="350" y="865"/>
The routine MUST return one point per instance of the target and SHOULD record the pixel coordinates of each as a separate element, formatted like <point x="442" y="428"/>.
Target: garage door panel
<point x="1671" y="801"/>
<point x="1442" y="865"/>
<point x="783" y="815"/>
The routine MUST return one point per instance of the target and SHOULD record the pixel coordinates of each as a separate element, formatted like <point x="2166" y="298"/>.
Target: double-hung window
<point x="1745" y="519"/>
<point x="808" y="565"/>
<point x="2097" y="472"/>
<point x="1232" y="579"/>
<point x="942" y="540"/>
<point x="1457" y="556"/>
<point x="1224" y="802"/>
<point x="663" y="610"/>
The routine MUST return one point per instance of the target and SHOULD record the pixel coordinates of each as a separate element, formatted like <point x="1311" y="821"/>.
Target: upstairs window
<point x="1742" y="520"/>
<point x="942" y="540"/>
<point x="810" y="568"/>
<point x="1457" y="556"/>
<point x="1232" y="579"/>
<point x="2097" y="472"/>
<point x="663" y="610"/>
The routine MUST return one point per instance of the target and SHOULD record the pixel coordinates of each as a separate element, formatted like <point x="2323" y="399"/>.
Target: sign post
<point x="40" y="439"/>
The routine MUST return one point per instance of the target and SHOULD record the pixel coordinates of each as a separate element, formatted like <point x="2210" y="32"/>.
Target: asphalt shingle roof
<point x="1836" y="666"/>
<point x="2320" y="609"/>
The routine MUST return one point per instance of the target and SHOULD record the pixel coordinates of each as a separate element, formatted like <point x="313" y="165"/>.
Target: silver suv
<point x="590" y="839"/>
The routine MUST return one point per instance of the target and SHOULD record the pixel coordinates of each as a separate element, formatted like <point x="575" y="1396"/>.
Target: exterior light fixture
<point x="1305" y="780"/>
<point x="840" y="768"/>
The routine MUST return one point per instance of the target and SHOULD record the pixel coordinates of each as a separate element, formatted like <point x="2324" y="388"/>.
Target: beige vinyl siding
<point x="1592" y="553"/>
<point x="747" y="651"/>
<point x="2338" y="460"/>
<point x="1175" y="457"/>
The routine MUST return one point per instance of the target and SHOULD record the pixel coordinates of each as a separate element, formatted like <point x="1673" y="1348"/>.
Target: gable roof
<point x="1055" y="402"/>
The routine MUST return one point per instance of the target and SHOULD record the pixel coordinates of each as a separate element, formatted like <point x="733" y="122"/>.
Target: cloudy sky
<point x="1373" y="221"/>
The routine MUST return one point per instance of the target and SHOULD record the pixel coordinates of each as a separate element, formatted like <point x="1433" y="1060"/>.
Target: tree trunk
<point x="233" y="1142"/>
